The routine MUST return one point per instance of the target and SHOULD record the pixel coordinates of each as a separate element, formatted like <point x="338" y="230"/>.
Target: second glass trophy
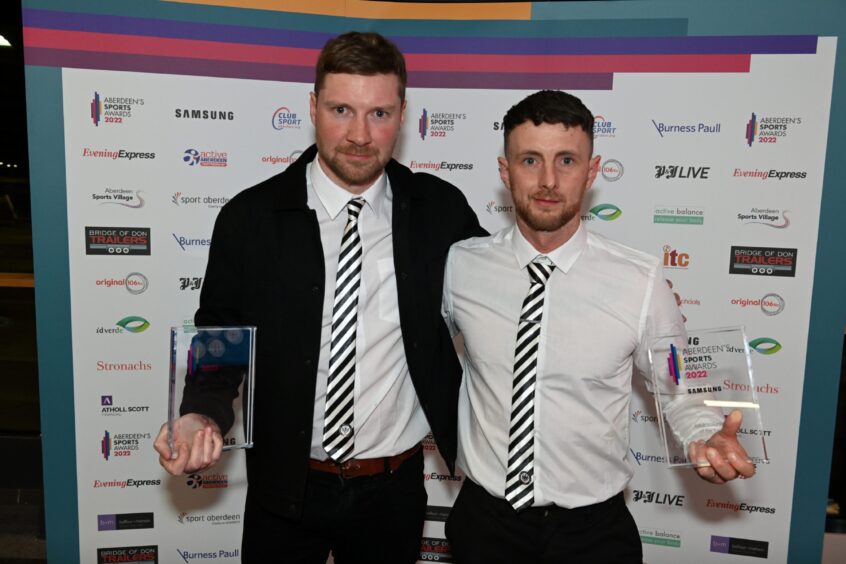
<point x="708" y="368"/>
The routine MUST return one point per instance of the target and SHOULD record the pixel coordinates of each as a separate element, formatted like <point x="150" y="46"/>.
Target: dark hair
<point x="549" y="106"/>
<point x="364" y="53"/>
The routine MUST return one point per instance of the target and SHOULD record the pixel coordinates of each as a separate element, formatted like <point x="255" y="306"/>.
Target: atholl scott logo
<point x="438" y="124"/>
<point x="769" y="129"/>
<point x="777" y="219"/>
<point x="194" y="157"/>
<point x="112" y="109"/>
<point x="284" y="118"/>
<point x="108" y="407"/>
<point x="119" y="197"/>
<point x="765" y="261"/>
<point x="117" y="240"/>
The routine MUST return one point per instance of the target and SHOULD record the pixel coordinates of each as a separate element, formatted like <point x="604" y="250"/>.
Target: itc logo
<point x="674" y="258"/>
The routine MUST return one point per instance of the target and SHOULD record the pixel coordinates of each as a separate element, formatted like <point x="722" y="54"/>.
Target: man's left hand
<point x="721" y="458"/>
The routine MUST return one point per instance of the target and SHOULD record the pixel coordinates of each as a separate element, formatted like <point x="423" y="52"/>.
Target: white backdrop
<point x="175" y="172"/>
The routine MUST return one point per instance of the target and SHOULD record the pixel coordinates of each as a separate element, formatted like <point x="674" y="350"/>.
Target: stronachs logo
<point x="117" y="240"/>
<point x="763" y="261"/>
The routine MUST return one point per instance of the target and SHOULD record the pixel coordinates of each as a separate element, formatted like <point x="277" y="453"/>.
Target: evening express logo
<point x="438" y="124"/>
<point x="112" y="109"/>
<point x="442" y="166"/>
<point x="766" y="261"/>
<point x="124" y="521"/>
<point x="769" y="174"/>
<point x="680" y="172"/>
<point x="115" y="154"/>
<point x="741" y="547"/>
<point x="217" y="159"/>
<point x="127" y="483"/>
<point x="735" y="507"/>
<point x="678" y="215"/>
<point x="605" y="212"/>
<point x="284" y="118"/>
<point x="770" y="217"/>
<point x="769" y="129"/>
<point x="117" y="240"/>
<point x="666" y="129"/>
<point x="137" y="554"/>
<point x="119" y="197"/>
<point x="193" y="113"/>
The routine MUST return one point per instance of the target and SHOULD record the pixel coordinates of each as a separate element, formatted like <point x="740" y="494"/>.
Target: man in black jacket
<point x="338" y="261"/>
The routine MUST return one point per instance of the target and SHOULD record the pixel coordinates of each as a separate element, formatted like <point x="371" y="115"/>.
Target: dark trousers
<point x="371" y="519"/>
<point x="485" y="529"/>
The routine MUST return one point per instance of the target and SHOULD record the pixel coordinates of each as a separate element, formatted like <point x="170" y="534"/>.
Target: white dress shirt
<point x="601" y="304"/>
<point x="388" y="417"/>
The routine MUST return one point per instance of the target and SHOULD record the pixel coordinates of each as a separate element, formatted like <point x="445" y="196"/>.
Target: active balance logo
<point x="435" y="550"/>
<point x="136" y="554"/>
<point x="113" y="109"/>
<point x="124" y="521"/>
<point x="117" y="240"/>
<point x="678" y="215"/>
<point x="741" y="547"/>
<point x="765" y="261"/>
<point x="660" y="537"/>
<point x="681" y="172"/>
<point x="657" y="498"/>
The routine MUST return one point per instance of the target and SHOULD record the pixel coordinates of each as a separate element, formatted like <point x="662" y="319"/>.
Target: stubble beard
<point x="538" y="221"/>
<point x="352" y="173"/>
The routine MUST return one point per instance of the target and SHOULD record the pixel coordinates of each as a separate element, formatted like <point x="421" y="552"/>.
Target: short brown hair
<point x="364" y="53"/>
<point x="549" y="106"/>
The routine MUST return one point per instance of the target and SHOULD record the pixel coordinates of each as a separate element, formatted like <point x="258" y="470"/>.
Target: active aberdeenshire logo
<point x="112" y="109"/>
<point x="117" y="240"/>
<point x="741" y="547"/>
<point x="194" y="157"/>
<point x="770" y="129"/>
<point x="135" y="554"/>
<point x="765" y="261"/>
<point x="438" y="124"/>
<point x="668" y="129"/>
<point x="284" y="118"/>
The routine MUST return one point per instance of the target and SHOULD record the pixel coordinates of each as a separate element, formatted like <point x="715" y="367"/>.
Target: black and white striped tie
<point x="520" y="478"/>
<point x="338" y="432"/>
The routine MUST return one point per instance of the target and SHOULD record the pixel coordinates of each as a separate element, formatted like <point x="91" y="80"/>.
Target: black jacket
<point x="266" y="269"/>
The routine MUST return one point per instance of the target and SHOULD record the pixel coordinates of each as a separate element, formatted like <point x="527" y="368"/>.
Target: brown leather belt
<point x="355" y="467"/>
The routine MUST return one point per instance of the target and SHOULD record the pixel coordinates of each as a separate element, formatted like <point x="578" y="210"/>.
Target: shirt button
<point x="315" y="289"/>
<point x="414" y="345"/>
<point x="526" y="477"/>
<point x="404" y="275"/>
<point x="308" y="362"/>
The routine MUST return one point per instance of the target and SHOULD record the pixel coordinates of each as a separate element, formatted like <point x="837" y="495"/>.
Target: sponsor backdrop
<point x="712" y="151"/>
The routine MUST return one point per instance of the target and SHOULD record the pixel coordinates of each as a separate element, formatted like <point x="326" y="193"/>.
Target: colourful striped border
<point x="140" y="44"/>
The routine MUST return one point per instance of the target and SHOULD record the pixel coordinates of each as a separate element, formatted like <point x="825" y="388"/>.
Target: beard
<point x="354" y="173"/>
<point x="545" y="221"/>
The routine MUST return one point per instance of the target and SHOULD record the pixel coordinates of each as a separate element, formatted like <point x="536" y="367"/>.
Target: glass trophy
<point x="214" y="362"/>
<point x="706" y="369"/>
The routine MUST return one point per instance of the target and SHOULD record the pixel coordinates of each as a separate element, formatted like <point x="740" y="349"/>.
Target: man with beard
<point x="554" y="318"/>
<point x="338" y="261"/>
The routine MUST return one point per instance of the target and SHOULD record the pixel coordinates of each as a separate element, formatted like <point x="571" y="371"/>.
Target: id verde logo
<point x="606" y="212"/>
<point x="765" y="345"/>
<point x="133" y="324"/>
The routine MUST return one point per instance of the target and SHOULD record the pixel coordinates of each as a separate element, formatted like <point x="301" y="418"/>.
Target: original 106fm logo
<point x="117" y="240"/>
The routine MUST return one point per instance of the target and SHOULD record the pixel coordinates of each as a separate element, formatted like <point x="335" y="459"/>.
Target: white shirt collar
<point x="564" y="257"/>
<point x="334" y="198"/>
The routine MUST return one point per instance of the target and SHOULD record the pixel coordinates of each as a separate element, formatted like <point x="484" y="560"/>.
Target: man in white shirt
<point x="553" y="319"/>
